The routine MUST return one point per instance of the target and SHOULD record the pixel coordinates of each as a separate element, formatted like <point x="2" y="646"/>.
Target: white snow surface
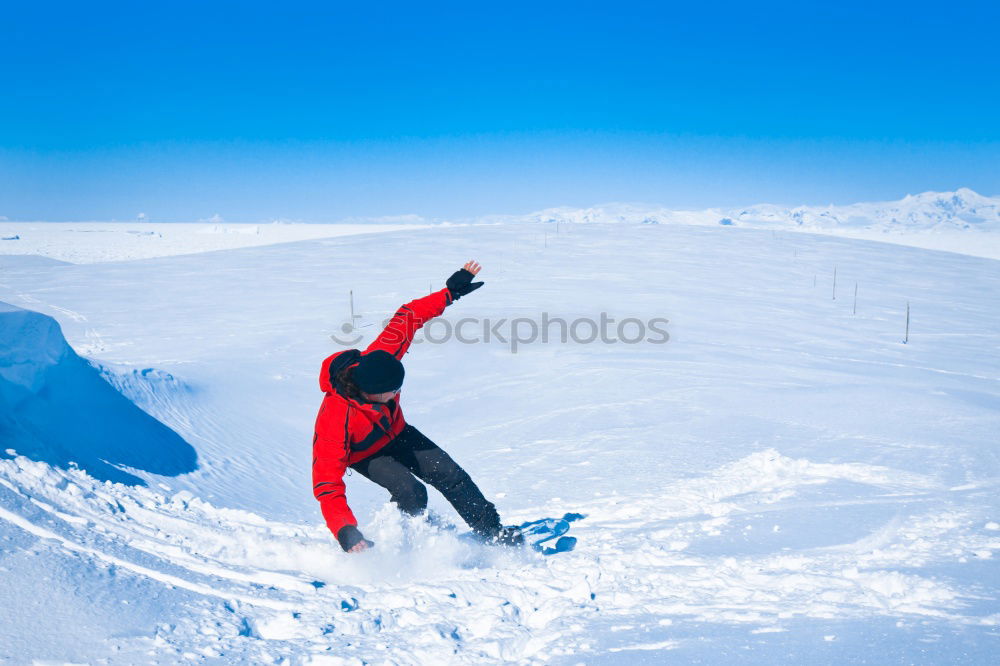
<point x="929" y="211"/>
<point x="783" y="481"/>
<point x="89" y="242"/>
<point x="960" y="221"/>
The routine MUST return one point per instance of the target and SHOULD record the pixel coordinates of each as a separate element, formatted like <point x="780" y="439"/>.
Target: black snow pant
<point x="411" y="455"/>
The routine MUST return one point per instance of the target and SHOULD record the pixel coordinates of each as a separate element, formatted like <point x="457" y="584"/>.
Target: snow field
<point x="780" y="481"/>
<point x="962" y="221"/>
<point x="277" y="584"/>
<point x="88" y="242"/>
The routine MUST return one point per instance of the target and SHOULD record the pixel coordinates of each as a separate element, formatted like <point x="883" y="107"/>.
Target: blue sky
<point x="321" y="111"/>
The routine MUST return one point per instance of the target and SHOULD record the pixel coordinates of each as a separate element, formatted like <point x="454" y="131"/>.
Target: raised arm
<point x="398" y="334"/>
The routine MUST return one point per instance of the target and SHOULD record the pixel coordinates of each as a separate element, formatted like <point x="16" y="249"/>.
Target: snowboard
<point x="548" y="535"/>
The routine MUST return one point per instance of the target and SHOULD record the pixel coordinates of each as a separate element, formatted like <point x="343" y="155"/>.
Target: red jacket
<point x="348" y="431"/>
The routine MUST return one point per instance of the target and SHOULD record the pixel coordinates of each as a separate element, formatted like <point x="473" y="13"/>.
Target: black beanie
<point x="378" y="372"/>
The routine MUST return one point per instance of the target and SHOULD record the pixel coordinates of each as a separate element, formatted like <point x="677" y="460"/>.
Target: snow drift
<point x="56" y="407"/>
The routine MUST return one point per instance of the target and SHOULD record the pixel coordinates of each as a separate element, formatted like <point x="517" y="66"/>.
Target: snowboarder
<point x="360" y="426"/>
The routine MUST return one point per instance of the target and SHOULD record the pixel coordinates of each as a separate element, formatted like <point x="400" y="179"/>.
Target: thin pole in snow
<point x="351" y="294"/>
<point x="907" y="337"/>
<point x="557" y="228"/>
<point x="834" y="283"/>
<point x="854" y="310"/>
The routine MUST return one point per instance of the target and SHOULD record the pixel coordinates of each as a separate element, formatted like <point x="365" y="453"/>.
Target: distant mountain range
<point x="930" y="211"/>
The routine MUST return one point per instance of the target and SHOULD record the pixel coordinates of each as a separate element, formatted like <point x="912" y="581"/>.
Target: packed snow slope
<point x="781" y="481"/>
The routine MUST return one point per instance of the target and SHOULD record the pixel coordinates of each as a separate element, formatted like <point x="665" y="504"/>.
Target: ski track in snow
<point x="747" y="492"/>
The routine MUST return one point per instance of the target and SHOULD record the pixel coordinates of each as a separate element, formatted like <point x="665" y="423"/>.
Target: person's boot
<point x="509" y="536"/>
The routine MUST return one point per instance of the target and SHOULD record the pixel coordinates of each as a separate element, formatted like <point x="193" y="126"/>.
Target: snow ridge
<point x="962" y="209"/>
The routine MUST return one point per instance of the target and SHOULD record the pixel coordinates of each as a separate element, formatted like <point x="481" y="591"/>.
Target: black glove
<point x="460" y="283"/>
<point x="350" y="536"/>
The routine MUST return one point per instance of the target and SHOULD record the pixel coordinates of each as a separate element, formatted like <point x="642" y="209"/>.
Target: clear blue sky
<point x="319" y="111"/>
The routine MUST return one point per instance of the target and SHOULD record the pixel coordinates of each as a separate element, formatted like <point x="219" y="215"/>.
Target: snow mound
<point x="56" y="407"/>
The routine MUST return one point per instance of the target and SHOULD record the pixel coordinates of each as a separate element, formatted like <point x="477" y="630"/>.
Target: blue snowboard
<point x="547" y="535"/>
